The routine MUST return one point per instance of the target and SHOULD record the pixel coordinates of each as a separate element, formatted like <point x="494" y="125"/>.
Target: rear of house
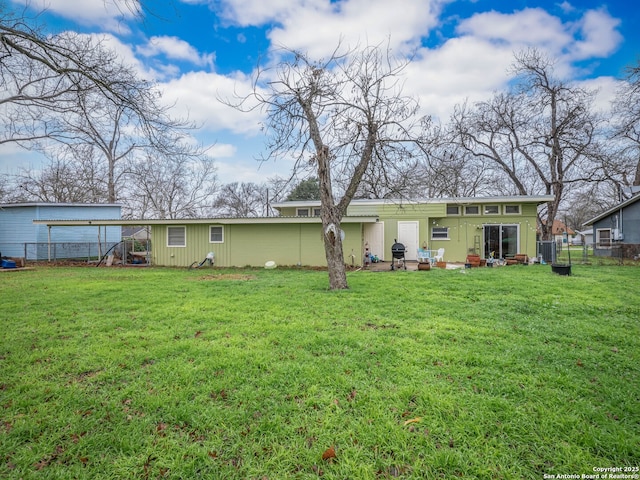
<point x="498" y="226"/>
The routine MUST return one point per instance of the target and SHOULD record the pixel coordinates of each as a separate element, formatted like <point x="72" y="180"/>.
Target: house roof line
<point x="606" y="213"/>
<point x="456" y="200"/>
<point x="194" y="221"/>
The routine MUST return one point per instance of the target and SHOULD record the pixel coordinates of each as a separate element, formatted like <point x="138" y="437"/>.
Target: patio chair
<point x="424" y="256"/>
<point x="439" y="257"/>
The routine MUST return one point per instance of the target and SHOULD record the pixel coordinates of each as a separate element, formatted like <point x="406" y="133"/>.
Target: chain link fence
<point x="132" y="251"/>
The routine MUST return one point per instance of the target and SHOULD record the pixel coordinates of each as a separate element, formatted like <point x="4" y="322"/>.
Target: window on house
<point x="302" y="212"/>
<point x="472" y="210"/>
<point x="216" y="234"/>
<point x="176" y="236"/>
<point x="603" y="238"/>
<point x="453" y="210"/>
<point x="491" y="209"/>
<point x="316" y="212"/>
<point x="512" y="209"/>
<point x="440" y="233"/>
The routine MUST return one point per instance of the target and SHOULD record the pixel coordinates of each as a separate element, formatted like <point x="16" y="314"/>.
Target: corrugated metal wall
<point x="17" y="228"/>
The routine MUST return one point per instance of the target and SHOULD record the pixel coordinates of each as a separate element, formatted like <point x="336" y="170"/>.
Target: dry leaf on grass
<point x="329" y="453"/>
<point x="413" y="420"/>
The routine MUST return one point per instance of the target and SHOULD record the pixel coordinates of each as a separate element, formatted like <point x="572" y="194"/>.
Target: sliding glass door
<point x="502" y="240"/>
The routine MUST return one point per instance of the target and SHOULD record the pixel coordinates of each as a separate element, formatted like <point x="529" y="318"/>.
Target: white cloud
<point x="222" y="150"/>
<point x="175" y="49"/>
<point x="534" y="27"/>
<point x="529" y="27"/>
<point x="606" y="88"/>
<point x="317" y="26"/>
<point x="198" y="95"/>
<point x="110" y="15"/>
<point x="259" y="12"/>
<point x="599" y="35"/>
<point x="461" y="69"/>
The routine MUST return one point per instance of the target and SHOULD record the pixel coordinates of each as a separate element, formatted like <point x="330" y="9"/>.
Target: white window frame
<point x="457" y="207"/>
<point x="467" y="207"/>
<point x="211" y="227"/>
<point x="497" y="212"/>
<point x="184" y="236"/>
<point x="519" y="212"/>
<point x="598" y="235"/>
<point x="442" y="230"/>
<point x="299" y="212"/>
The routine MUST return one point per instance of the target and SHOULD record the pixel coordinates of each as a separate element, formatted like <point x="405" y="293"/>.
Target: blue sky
<point x="200" y="50"/>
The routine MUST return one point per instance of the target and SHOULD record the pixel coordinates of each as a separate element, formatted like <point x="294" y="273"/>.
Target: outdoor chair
<point x="439" y="257"/>
<point x="424" y="256"/>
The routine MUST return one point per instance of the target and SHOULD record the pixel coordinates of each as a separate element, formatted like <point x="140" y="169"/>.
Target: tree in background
<point x="70" y="97"/>
<point x="306" y="190"/>
<point x="541" y="137"/>
<point x="626" y="128"/>
<point x="241" y="199"/>
<point x="49" y="73"/>
<point x="170" y="186"/>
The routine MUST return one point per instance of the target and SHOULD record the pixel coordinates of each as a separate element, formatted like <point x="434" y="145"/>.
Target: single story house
<point x="616" y="232"/>
<point x="20" y="236"/>
<point x="558" y="231"/>
<point x="502" y="225"/>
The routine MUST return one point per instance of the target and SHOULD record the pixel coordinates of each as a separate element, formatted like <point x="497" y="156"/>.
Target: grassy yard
<point x="510" y="372"/>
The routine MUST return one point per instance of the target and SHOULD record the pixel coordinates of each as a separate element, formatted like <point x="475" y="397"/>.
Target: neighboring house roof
<point x="624" y="204"/>
<point x="559" y="228"/>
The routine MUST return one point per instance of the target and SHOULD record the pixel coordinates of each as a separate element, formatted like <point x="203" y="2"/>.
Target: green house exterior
<point x="505" y="226"/>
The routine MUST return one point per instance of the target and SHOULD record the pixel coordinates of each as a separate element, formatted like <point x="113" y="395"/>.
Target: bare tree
<point x="174" y="186"/>
<point x="338" y="115"/>
<point x="245" y="199"/>
<point x="626" y="128"/>
<point x="68" y="93"/>
<point x="541" y="137"/>
<point x="116" y="133"/>
<point x="49" y="73"/>
<point x="77" y="178"/>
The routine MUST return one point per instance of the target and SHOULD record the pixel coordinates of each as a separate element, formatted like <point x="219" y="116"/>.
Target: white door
<point x="408" y="236"/>
<point x="374" y="236"/>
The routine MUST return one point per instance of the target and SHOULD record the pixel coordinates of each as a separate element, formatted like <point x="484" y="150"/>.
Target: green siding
<point x="301" y="243"/>
<point x="255" y="244"/>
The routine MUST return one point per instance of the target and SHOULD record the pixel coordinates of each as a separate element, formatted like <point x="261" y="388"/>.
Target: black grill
<point x="397" y="252"/>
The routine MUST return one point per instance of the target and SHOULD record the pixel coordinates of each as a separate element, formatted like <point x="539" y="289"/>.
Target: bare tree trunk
<point x="331" y="217"/>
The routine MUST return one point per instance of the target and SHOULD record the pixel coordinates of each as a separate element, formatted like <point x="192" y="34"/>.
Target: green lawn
<point x="495" y="373"/>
